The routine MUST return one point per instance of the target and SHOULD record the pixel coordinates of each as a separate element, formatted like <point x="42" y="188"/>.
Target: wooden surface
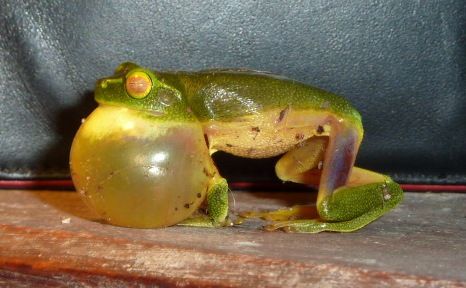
<point x="49" y="238"/>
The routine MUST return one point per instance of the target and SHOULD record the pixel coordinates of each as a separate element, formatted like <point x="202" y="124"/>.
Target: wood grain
<point x="50" y="239"/>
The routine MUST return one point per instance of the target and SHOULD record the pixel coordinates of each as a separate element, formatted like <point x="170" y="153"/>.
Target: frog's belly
<point x="266" y="135"/>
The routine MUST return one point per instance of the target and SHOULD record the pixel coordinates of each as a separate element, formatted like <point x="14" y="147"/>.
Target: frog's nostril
<point x="103" y="83"/>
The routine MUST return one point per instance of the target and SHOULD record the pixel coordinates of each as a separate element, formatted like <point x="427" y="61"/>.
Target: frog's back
<point x="226" y="94"/>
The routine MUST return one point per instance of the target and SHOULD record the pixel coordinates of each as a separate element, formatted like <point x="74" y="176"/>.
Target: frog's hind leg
<point x="372" y="201"/>
<point x="217" y="206"/>
<point x="349" y="197"/>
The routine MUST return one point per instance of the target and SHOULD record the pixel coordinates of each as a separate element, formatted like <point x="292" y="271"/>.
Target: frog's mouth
<point x="141" y="111"/>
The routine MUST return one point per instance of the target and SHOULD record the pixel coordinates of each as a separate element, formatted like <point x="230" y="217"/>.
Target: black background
<point x="401" y="63"/>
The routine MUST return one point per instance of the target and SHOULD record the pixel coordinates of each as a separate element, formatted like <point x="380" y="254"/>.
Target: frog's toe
<point x="276" y="215"/>
<point x="298" y="226"/>
<point x="283" y="214"/>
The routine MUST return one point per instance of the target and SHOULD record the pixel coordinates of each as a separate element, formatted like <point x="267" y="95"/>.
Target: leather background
<point x="401" y="63"/>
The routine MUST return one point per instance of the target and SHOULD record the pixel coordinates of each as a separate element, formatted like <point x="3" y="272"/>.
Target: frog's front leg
<point x="349" y="197"/>
<point x="217" y="206"/>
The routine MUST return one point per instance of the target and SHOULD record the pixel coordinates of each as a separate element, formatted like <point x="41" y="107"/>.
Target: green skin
<point x="248" y="105"/>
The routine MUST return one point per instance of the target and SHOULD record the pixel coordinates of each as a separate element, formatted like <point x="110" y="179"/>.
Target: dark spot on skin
<point x="206" y="172"/>
<point x="111" y="173"/>
<point x="256" y="130"/>
<point x="206" y="140"/>
<point x="186" y="205"/>
<point x="99" y="187"/>
<point x="320" y="129"/>
<point x="229" y="145"/>
<point x="282" y="114"/>
<point x="199" y="195"/>
<point x="176" y="208"/>
<point x="299" y="136"/>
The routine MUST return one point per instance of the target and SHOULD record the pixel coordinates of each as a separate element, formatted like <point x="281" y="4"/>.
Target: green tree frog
<point x="143" y="157"/>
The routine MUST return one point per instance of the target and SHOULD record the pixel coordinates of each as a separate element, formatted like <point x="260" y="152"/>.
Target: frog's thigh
<point x="300" y="165"/>
<point x="303" y="163"/>
<point x="217" y="206"/>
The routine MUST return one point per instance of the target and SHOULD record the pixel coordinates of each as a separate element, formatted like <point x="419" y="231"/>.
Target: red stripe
<point x="434" y="188"/>
<point x="35" y="184"/>
<point x="68" y="184"/>
<point x="406" y="187"/>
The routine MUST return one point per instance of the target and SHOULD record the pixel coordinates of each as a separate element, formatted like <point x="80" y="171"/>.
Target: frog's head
<point x="135" y="87"/>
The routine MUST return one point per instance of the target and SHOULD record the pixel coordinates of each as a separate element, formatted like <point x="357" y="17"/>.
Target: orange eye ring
<point x="138" y="84"/>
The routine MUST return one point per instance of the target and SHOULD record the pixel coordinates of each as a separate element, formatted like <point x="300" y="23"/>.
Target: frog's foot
<point x="302" y="225"/>
<point x="217" y="207"/>
<point x="283" y="214"/>
<point x="317" y="225"/>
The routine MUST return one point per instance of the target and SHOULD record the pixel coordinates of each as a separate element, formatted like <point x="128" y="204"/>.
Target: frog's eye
<point x="138" y="84"/>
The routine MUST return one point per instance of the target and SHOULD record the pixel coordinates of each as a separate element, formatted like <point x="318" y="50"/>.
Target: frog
<point x="143" y="158"/>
